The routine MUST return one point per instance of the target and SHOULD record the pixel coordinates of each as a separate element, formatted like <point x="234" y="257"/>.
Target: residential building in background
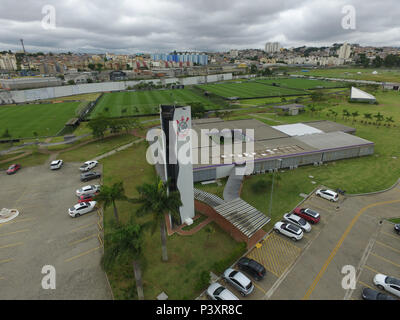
<point x="344" y="51"/>
<point x="194" y="58"/>
<point x="272" y="47"/>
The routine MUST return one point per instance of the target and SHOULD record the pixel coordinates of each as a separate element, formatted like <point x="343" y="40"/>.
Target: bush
<point x="203" y="280"/>
<point x="259" y="186"/>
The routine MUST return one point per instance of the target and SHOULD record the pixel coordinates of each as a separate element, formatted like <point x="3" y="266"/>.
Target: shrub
<point x="259" y="186"/>
<point x="203" y="280"/>
<point x="222" y="264"/>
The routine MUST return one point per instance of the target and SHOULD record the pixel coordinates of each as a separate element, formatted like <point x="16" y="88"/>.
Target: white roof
<point x="297" y="129"/>
<point x="359" y="94"/>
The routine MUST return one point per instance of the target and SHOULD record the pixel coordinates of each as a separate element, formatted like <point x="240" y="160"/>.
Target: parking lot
<point x="44" y="234"/>
<point x="353" y="231"/>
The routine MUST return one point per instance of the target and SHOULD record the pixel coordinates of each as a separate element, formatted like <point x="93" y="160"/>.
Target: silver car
<point x="297" y="221"/>
<point x="218" y="292"/>
<point x="239" y="281"/>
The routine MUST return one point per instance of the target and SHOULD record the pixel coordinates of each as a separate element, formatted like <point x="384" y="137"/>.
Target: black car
<point x="252" y="267"/>
<point x="369" y="294"/>
<point x="397" y="228"/>
<point x="90" y="176"/>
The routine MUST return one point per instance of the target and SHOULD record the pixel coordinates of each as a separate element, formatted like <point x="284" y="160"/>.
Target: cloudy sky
<point x="130" y="26"/>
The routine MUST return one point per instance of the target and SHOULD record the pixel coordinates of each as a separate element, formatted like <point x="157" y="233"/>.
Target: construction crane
<point x="23" y="47"/>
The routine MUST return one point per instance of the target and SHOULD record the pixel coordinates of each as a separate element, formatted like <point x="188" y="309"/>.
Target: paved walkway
<point x="233" y="186"/>
<point x="181" y="232"/>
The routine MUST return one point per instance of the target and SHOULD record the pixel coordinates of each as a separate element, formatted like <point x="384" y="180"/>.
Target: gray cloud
<point x="163" y="25"/>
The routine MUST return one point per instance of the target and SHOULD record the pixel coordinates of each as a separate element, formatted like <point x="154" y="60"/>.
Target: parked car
<point x="327" y="194"/>
<point x="13" y="168"/>
<point x="369" y="294"/>
<point x="252" y="267"/>
<point x="81" y="208"/>
<point x="397" y="228"/>
<point x="87" y="176"/>
<point x="91" y="189"/>
<point x="308" y="214"/>
<point x="218" y="292"/>
<point x="290" y="230"/>
<point x="88" y="165"/>
<point x="87" y="197"/>
<point x="239" y="281"/>
<point x="297" y="221"/>
<point x="56" y="164"/>
<point x="387" y="283"/>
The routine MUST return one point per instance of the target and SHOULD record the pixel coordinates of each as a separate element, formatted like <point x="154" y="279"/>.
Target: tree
<point x="379" y="117"/>
<point x="253" y="68"/>
<point x="126" y="239"/>
<point x="367" y="116"/>
<point x="377" y="62"/>
<point x="109" y="195"/>
<point x="71" y="82"/>
<point x="198" y="109"/>
<point x="157" y="200"/>
<point x="389" y="120"/>
<point x="345" y="114"/>
<point x="98" y="126"/>
<point x="6" y="134"/>
<point x="91" y="66"/>
<point x="317" y="95"/>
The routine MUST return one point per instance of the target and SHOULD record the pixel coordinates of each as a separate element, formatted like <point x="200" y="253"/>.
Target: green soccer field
<point x="249" y="90"/>
<point x="302" y="83"/>
<point x="145" y="102"/>
<point x="44" y="119"/>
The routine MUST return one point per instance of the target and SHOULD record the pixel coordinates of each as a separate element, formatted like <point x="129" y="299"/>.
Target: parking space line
<point x="17" y="221"/>
<point x="390" y="235"/>
<point x="384" y="259"/>
<point x="387" y="246"/>
<point x="365" y="285"/>
<point x="77" y="241"/>
<point x="258" y="287"/>
<point x="6" y="260"/>
<point x="14" y="232"/>
<point x="339" y="244"/>
<point x="85" y="226"/>
<point x="82" y="254"/>
<point x="369" y="268"/>
<point x="11" y="245"/>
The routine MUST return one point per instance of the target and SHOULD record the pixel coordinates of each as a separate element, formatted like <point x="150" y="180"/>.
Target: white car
<point x="328" y="194"/>
<point x="88" y="165"/>
<point x="56" y="164"/>
<point x="290" y="230"/>
<point x="297" y="221"/>
<point x="239" y="281"/>
<point x="218" y="292"/>
<point x="81" y="208"/>
<point x="91" y="189"/>
<point x="387" y="283"/>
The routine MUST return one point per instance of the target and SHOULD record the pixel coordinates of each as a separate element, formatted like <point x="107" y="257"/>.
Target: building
<point x="272" y="47"/>
<point x="279" y="147"/>
<point x="8" y="62"/>
<point x="358" y="95"/>
<point x="193" y="58"/>
<point x="344" y="51"/>
<point x="118" y="76"/>
<point x="291" y="109"/>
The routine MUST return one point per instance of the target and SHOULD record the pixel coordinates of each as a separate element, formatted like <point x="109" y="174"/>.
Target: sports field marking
<point x="82" y="254"/>
<point x="339" y="244"/>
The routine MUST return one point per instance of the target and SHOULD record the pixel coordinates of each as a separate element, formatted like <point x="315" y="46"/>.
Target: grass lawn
<point x="388" y="75"/>
<point x="97" y="148"/>
<point x="146" y="102"/>
<point x="358" y="175"/>
<point x="302" y="83"/>
<point x="395" y="220"/>
<point x="78" y="97"/>
<point x="31" y="160"/>
<point x="188" y="255"/>
<point x="45" y="119"/>
<point x="248" y="90"/>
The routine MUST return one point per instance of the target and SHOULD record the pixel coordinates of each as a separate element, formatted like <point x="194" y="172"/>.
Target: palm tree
<point x="126" y="239"/>
<point x="109" y="195"/>
<point x="346" y="114"/>
<point x="379" y="117"/>
<point x="355" y="115"/>
<point x="335" y="114"/>
<point x="389" y="120"/>
<point x="157" y="200"/>
<point x="367" y="116"/>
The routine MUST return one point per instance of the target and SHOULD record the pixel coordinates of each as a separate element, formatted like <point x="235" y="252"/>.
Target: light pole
<point x="272" y="189"/>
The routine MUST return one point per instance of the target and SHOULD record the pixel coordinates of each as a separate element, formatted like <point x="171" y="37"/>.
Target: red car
<point x="308" y="214"/>
<point x="87" y="198"/>
<point x="13" y="168"/>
